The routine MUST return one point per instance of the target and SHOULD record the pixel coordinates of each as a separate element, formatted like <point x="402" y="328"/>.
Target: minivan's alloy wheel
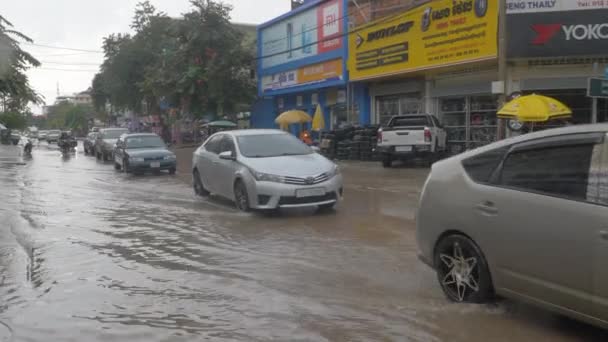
<point x="240" y="196"/>
<point x="462" y="270"/>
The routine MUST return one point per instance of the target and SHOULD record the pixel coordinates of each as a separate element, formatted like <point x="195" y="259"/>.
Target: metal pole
<point x="594" y="110"/>
<point x="502" y="63"/>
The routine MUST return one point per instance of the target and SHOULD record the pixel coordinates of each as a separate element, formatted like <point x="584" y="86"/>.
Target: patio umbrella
<point x="318" y="121"/>
<point x="292" y="117"/>
<point x="534" y="108"/>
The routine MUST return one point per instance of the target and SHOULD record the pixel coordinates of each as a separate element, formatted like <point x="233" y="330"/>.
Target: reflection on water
<point x="90" y="254"/>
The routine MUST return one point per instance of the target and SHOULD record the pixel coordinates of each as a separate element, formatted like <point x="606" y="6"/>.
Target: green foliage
<point x="197" y="63"/>
<point x="69" y="116"/>
<point x="15" y="90"/>
<point x="13" y="120"/>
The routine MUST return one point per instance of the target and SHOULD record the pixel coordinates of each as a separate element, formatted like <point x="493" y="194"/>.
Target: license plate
<point x="403" y="148"/>
<point x="310" y="192"/>
<point x="155" y="164"/>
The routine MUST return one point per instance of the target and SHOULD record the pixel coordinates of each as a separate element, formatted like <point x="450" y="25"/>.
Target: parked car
<point x="105" y="140"/>
<point x="411" y="136"/>
<point x="15" y="137"/>
<point x="140" y="152"/>
<point x="53" y="136"/>
<point x="265" y="170"/>
<point x="42" y="135"/>
<point x="89" y="144"/>
<point x="524" y="218"/>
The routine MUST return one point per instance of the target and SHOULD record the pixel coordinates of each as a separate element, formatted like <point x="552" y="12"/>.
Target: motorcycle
<point x="27" y="149"/>
<point x="67" y="145"/>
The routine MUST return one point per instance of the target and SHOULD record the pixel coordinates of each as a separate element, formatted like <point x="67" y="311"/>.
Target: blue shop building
<point x="301" y="63"/>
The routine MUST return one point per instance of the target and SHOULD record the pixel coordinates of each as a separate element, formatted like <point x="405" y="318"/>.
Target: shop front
<point x="554" y="50"/>
<point x="301" y="64"/>
<point x="414" y="63"/>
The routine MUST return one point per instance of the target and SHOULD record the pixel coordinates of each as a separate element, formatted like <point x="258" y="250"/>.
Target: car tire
<point x="462" y="270"/>
<point x="241" y="197"/>
<point x="116" y="166"/>
<point x="387" y="161"/>
<point x="172" y="171"/>
<point x="97" y="155"/>
<point x="197" y="184"/>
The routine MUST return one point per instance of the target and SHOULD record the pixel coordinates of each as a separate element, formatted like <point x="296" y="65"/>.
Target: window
<point x="561" y="170"/>
<point x="146" y="141"/>
<point x="227" y="144"/>
<point x="213" y="144"/>
<point x="481" y="166"/>
<point x="410" y="121"/>
<point x="435" y="121"/>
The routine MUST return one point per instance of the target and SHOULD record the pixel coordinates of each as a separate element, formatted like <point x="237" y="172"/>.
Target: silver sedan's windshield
<point x="113" y="134"/>
<point x="144" y="142"/>
<point x="271" y="145"/>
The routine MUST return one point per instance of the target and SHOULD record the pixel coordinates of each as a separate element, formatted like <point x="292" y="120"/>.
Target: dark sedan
<point x="141" y="152"/>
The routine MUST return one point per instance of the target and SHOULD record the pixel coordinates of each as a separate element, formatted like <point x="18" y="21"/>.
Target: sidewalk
<point x="184" y="162"/>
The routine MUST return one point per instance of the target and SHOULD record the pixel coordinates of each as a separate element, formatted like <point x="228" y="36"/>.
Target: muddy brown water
<point x="89" y="254"/>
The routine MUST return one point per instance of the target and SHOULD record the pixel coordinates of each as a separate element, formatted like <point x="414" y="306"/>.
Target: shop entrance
<point x="400" y="104"/>
<point x="470" y="121"/>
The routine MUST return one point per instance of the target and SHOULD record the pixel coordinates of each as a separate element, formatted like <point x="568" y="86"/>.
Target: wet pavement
<point x="89" y="254"/>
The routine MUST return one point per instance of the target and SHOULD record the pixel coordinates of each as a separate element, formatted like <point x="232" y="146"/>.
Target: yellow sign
<point x="330" y="70"/>
<point x="441" y="33"/>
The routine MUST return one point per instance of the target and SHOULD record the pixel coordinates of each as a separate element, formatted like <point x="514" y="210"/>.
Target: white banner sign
<point x="535" y="6"/>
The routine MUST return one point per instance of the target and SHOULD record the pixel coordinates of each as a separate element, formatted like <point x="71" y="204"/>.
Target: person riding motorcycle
<point x="66" y="141"/>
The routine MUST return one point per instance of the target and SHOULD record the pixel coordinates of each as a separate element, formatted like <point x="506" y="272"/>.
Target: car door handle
<point x="604" y="234"/>
<point x="487" y="208"/>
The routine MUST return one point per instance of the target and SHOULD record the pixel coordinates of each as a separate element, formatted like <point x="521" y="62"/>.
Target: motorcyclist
<point x="66" y="141"/>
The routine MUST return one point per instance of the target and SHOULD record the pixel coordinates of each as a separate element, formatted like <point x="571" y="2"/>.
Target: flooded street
<point x="90" y="254"/>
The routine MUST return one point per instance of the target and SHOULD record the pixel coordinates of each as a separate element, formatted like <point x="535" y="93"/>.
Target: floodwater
<point x="89" y="254"/>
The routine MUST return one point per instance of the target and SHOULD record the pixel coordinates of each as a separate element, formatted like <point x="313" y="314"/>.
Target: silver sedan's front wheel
<point x="241" y="197"/>
<point x="462" y="270"/>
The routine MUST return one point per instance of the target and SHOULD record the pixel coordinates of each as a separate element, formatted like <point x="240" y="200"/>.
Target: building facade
<point x="302" y="63"/>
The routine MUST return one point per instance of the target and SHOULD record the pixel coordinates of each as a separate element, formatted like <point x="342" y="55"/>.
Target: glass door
<point x="454" y="119"/>
<point x="483" y="120"/>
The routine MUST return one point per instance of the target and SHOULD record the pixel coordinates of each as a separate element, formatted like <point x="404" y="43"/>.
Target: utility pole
<point x="502" y="63"/>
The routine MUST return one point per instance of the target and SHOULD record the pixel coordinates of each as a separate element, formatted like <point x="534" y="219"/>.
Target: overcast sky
<point x="82" y="24"/>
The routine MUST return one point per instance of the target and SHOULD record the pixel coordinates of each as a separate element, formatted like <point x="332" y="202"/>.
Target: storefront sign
<point x="446" y="33"/>
<point x="598" y="87"/>
<point x="556" y="34"/>
<point x="314" y="31"/>
<point x="535" y="6"/>
<point x="315" y="73"/>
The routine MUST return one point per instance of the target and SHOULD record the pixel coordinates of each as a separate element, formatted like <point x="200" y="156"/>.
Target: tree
<point x="197" y="63"/>
<point x="13" y="120"/>
<point x="69" y="116"/>
<point x="15" y="90"/>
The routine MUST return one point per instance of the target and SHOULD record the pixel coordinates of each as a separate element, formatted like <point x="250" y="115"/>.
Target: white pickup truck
<point x="411" y="136"/>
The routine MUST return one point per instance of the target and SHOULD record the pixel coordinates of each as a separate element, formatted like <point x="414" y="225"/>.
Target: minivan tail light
<point x="427" y="135"/>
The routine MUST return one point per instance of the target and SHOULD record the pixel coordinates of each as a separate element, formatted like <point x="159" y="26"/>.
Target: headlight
<point x="334" y="172"/>
<point x="266" y="177"/>
<point x="169" y="157"/>
<point x="136" y="159"/>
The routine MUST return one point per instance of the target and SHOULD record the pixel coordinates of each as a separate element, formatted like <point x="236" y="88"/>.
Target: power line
<point x="63" y="48"/>
<point x="74" y="64"/>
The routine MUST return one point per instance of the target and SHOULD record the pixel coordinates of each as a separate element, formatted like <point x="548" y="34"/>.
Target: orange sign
<point x="325" y="71"/>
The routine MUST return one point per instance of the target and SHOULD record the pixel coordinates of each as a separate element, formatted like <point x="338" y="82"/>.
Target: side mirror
<point x="227" y="155"/>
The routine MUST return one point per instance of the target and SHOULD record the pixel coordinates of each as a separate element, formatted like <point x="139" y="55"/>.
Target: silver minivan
<point x="524" y="218"/>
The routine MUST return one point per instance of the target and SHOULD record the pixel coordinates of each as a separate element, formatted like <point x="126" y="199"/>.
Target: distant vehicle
<point x="105" y="141"/>
<point x="524" y="218"/>
<point x="265" y="170"/>
<point x="42" y="135"/>
<point x="141" y="152"/>
<point x="32" y="132"/>
<point x="89" y="144"/>
<point x="53" y="136"/>
<point x="67" y="143"/>
<point x="15" y="137"/>
<point x="411" y="136"/>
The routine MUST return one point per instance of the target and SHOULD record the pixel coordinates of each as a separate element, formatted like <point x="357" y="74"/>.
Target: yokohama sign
<point x="558" y="34"/>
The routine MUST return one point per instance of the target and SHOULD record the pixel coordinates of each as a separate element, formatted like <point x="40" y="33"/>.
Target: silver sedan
<point x="265" y="170"/>
<point x="524" y="218"/>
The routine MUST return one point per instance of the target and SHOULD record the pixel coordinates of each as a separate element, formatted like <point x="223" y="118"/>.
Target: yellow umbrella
<point x="318" y="120"/>
<point x="292" y="117"/>
<point x="534" y="108"/>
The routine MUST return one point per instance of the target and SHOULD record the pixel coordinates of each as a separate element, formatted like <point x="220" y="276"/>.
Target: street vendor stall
<point x="533" y="109"/>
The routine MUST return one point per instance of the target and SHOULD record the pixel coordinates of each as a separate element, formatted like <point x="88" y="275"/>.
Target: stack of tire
<point x="343" y="150"/>
<point x="329" y="145"/>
